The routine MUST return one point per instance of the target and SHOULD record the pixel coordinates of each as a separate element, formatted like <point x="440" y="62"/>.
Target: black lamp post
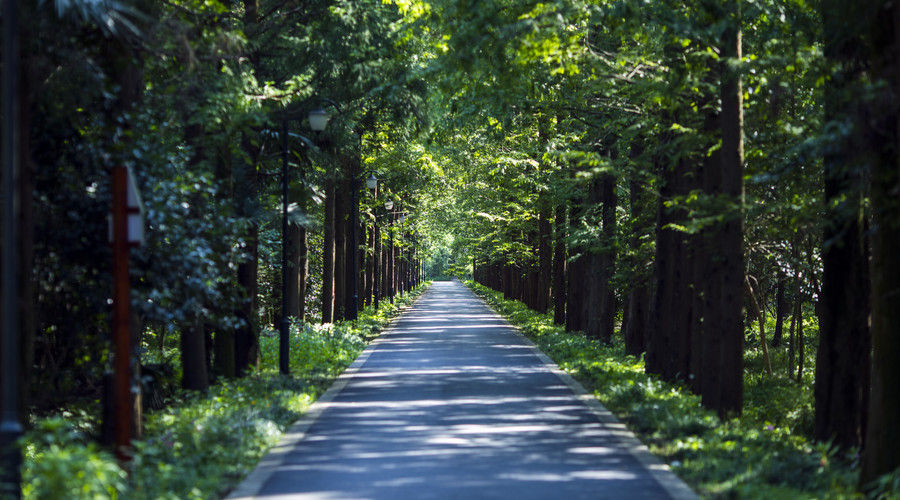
<point x="372" y="185"/>
<point x="10" y="427"/>
<point x="318" y="119"/>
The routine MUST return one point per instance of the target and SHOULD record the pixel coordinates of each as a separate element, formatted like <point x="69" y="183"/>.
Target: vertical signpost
<point x="127" y="231"/>
<point x="284" y="332"/>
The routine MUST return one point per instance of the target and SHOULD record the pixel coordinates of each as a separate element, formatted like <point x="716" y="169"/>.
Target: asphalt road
<point x="452" y="403"/>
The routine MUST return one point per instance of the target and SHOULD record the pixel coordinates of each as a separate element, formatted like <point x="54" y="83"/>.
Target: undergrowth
<point x="201" y="445"/>
<point x="764" y="454"/>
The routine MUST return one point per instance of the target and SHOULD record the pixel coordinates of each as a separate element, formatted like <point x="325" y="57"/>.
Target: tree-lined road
<point x="452" y="403"/>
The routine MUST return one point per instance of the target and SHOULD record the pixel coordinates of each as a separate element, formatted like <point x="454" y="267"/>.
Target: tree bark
<point x="193" y="359"/>
<point x="882" y="455"/>
<point x="302" y="271"/>
<point x="668" y="345"/>
<point x="594" y="282"/>
<point x="328" y="256"/>
<point x="559" y="265"/>
<point x="341" y="209"/>
<point x="843" y="355"/>
<point x="292" y="287"/>
<point x="575" y="273"/>
<point x="723" y="354"/>
<point x="637" y="311"/>
<point x="370" y="265"/>
<point x="607" y="315"/>
<point x="246" y="336"/>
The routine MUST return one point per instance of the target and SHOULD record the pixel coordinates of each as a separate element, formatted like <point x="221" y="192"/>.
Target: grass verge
<point x="202" y="445"/>
<point x="750" y="457"/>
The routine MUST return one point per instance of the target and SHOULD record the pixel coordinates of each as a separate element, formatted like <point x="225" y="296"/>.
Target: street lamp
<point x="318" y="120"/>
<point x="372" y="185"/>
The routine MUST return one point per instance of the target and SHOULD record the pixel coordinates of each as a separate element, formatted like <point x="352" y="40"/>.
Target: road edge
<point x="252" y="484"/>
<point x="659" y="470"/>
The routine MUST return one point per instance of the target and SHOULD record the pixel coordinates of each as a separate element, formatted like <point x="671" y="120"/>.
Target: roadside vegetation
<point x="766" y="453"/>
<point x="201" y="445"/>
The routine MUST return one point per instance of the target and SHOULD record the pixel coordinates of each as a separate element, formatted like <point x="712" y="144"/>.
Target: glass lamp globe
<point x="318" y="119"/>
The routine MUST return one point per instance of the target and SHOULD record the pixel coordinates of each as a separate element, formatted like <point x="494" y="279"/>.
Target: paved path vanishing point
<point x="452" y="402"/>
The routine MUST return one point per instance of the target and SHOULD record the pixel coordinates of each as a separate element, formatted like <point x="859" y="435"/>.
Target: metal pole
<point x="284" y="330"/>
<point x="376" y="254"/>
<point x="10" y="427"/>
<point x="353" y="310"/>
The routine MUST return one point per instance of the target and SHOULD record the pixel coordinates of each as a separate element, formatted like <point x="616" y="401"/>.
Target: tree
<point x="842" y="361"/>
<point x="882" y="132"/>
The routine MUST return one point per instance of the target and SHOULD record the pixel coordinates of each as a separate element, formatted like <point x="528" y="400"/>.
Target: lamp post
<point x="318" y="120"/>
<point x="284" y="365"/>
<point x="10" y="427"/>
<point x="372" y="185"/>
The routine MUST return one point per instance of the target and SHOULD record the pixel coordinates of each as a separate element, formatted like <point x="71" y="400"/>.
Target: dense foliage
<point x="710" y="184"/>
<point x="201" y="445"/>
<point x="761" y="455"/>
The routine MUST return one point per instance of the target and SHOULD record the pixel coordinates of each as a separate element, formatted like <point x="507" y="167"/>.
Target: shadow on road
<point x="452" y="404"/>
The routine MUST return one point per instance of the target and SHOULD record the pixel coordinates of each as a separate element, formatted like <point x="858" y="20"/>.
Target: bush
<point x="751" y="457"/>
<point x="202" y="445"/>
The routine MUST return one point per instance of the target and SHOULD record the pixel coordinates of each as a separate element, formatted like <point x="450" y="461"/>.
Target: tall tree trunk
<point x="607" y="314"/>
<point x="843" y="355"/>
<point x="389" y="261"/>
<point x="247" y="335"/>
<point x="882" y="455"/>
<point x="194" y="354"/>
<point x="292" y="287"/>
<point x="370" y="265"/>
<point x="723" y="353"/>
<point x="594" y="277"/>
<point x="575" y="273"/>
<point x="796" y="317"/>
<point x="246" y="339"/>
<point x="377" y="268"/>
<point x="341" y="210"/>
<point x="328" y="256"/>
<point x="637" y="311"/>
<point x="668" y="345"/>
<point x="193" y="358"/>
<point x="223" y="340"/>
<point x="545" y="257"/>
<point x="351" y="255"/>
<point x="302" y="270"/>
<point x="559" y="265"/>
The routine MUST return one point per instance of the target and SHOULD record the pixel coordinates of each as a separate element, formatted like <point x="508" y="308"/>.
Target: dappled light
<point x="686" y="211"/>
<point x="460" y="408"/>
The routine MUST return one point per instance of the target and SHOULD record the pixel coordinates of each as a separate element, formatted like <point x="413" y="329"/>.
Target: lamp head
<point x="318" y="119"/>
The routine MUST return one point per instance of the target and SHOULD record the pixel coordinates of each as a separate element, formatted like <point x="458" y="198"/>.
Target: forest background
<point x="710" y="185"/>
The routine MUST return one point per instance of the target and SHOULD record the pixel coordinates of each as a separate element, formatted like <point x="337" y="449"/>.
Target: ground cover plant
<point x="763" y="454"/>
<point x="201" y="445"/>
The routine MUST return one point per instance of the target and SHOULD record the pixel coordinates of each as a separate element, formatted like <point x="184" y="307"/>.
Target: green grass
<point x="764" y="454"/>
<point x="201" y="445"/>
